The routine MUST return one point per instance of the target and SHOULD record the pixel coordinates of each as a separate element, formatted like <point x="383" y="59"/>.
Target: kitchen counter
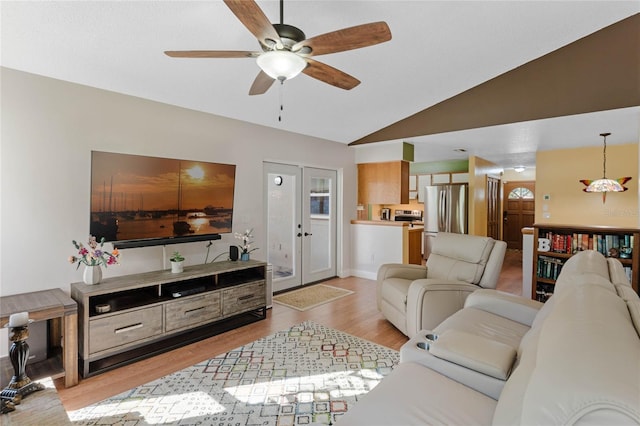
<point x="411" y="225"/>
<point x="375" y="242"/>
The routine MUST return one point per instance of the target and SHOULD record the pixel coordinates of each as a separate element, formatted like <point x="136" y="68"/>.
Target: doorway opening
<point x="519" y="211"/>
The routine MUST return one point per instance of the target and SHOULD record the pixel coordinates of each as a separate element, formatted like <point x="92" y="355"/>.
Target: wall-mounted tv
<point x="139" y="201"/>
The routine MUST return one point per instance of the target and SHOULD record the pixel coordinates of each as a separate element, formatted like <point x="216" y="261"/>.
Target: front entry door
<point x="519" y="211"/>
<point x="301" y="224"/>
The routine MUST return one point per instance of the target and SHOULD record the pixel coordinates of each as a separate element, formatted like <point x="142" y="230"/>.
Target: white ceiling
<point x="438" y="49"/>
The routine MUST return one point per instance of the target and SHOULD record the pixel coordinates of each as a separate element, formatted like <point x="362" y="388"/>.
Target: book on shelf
<point x="610" y="245"/>
<point x="549" y="267"/>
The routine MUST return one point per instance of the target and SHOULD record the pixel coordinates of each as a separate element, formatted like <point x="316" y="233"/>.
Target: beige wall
<point x="558" y="176"/>
<point x="479" y="169"/>
<point x="48" y="130"/>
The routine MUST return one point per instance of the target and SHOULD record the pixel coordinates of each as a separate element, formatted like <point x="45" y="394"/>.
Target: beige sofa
<point x="413" y="297"/>
<point x="507" y="360"/>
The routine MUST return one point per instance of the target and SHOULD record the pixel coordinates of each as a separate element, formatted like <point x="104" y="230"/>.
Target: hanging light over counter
<point x="605" y="185"/>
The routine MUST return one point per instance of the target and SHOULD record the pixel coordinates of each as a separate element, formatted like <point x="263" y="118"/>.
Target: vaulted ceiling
<point x="501" y="79"/>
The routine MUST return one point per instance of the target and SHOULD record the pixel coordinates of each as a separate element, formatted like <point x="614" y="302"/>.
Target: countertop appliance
<point x="445" y="210"/>
<point x="408" y="216"/>
<point x="385" y="214"/>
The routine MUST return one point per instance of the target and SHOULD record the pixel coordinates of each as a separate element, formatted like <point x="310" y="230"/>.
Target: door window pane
<point x="320" y="221"/>
<point x="520" y="193"/>
<point x="281" y="213"/>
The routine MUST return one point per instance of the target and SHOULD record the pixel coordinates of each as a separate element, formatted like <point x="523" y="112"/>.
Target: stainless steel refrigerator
<point x="445" y="210"/>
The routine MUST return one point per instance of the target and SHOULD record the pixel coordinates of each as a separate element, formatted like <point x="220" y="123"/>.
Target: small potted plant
<point x="176" y="262"/>
<point x="245" y="247"/>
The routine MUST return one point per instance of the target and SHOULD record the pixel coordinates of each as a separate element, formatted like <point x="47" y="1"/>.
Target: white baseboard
<point x="364" y="274"/>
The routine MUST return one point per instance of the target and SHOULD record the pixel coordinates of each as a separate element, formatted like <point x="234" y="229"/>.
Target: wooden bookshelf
<point x="554" y="244"/>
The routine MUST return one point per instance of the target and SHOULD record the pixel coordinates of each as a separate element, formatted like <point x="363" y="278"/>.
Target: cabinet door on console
<point x="192" y="311"/>
<point x="243" y="298"/>
<point x="117" y="330"/>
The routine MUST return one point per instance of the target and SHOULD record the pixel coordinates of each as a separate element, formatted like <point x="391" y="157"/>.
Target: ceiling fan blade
<point x="252" y="17"/>
<point x="346" y="39"/>
<point x="330" y="75"/>
<point x="261" y="84"/>
<point x="211" y="54"/>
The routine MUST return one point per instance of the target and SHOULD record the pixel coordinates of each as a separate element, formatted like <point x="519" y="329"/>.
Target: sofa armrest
<point x="430" y="301"/>
<point x="401" y="270"/>
<point x="516" y="308"/>
<point x="477" y="353"/>
<point x="397" y="270"/>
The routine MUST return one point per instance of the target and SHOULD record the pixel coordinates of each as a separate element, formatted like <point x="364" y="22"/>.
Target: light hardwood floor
<point x="355" y="314"/>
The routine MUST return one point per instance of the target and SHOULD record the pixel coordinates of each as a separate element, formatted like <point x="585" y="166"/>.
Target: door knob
<point x="306" y="234"/>
<point x="299" y="235"/>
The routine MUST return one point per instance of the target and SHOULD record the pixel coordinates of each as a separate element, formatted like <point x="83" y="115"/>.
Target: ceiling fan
<point x="286" y="51"/>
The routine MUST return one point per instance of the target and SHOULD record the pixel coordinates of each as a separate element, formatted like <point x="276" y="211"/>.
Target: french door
<point x="301" y="224"/>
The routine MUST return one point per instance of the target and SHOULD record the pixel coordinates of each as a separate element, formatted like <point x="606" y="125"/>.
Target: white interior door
<point x="301" y="224"/>
<point x="319" y="225"/>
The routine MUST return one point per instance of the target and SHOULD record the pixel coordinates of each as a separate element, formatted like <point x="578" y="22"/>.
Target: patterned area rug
<point x="307" y="374"/>
<point x="310" y="297"/>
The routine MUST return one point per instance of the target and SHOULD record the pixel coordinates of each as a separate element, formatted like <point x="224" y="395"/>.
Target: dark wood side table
<point x="62" y="313"/>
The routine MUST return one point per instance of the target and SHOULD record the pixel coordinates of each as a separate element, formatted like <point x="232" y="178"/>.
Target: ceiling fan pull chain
<point x="281" y="100"/>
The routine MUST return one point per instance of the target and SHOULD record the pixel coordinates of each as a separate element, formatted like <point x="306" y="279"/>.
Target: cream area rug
<point x="309" y="297"/>
<point x="306" y="374"/>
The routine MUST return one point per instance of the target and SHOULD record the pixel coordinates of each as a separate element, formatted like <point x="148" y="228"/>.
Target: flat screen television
<point x="139" y="201"/>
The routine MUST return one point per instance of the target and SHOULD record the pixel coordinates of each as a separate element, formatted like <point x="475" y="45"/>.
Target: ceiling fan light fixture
<point x="281" y="64"/>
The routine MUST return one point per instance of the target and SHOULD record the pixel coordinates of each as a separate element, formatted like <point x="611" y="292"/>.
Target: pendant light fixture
<point x="605" y="185"/>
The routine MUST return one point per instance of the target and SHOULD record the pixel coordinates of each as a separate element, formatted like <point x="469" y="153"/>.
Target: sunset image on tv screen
<point x="137" y="197"/>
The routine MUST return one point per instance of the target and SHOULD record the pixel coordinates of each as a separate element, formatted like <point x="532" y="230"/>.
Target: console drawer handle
<point x="128" y="328"/>
<point x="247" y="297"/>
<point x="194" y="310"/>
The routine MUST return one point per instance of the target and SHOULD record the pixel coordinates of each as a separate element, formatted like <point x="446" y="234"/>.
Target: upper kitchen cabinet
<point x="383" y="183"/>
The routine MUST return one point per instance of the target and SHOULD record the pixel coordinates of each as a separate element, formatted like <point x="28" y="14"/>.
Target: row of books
<point x="549" y="267"/>
<point x="612" y="245"/>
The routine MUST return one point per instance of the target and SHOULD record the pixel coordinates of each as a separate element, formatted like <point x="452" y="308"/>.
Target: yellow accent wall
<point x="558" y="175"/>
<point x="479" y="169"/>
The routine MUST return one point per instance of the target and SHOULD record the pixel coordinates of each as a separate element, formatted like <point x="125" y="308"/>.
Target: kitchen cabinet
<point x="423" y="180"/>
<point x="383" y="183"/>
<point x="439" y="179"/>
<point x="459" y="177"/>
<point x="412" y="242"/>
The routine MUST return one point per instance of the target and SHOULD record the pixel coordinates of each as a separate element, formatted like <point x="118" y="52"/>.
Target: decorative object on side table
<point x="20" y="385"/>
<point x="245" y="247"/>
<point x="177" y="262"/>
<point x="93" y="257"/>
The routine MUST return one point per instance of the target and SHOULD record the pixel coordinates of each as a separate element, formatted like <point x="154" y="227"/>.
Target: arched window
<point x="520" y="193"/>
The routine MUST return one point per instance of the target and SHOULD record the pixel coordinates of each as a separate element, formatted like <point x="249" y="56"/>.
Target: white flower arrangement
<point x="246" y="238"/>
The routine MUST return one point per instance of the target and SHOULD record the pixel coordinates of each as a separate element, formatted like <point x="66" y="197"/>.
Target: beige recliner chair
<point x="415" y="298"/>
